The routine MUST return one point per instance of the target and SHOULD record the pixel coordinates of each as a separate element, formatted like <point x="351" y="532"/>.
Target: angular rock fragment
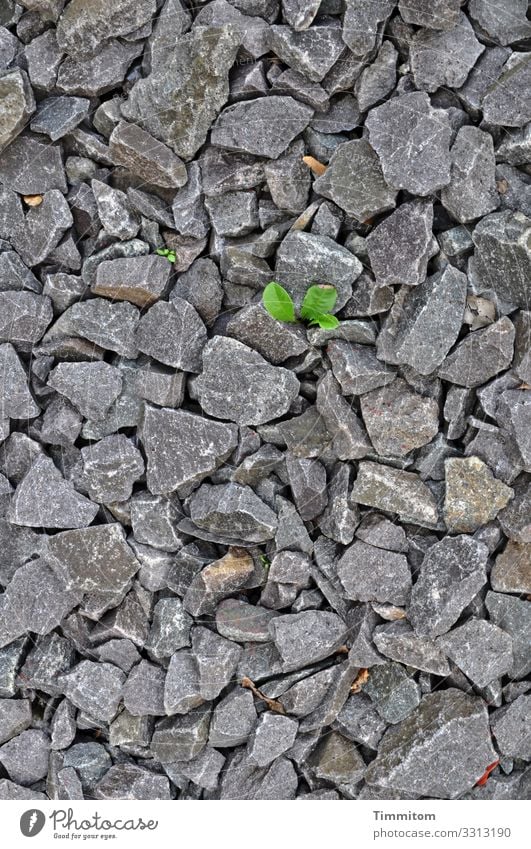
<point x="112" y="326"/>
<point x="243" y="622"/>
<point x="502" y="104"/>
<point x="349" y="438"/>
<point x="81" y="29"/>
<point x="91" y="76"/>
<point x="472" y="191"/>
<point x="233" y="720"/>
<point x="357" y="368"/>
<point x="111" y="467"/>
<point x="218" y="580"/>
<point x="423" y="13"/>
<point x="307" y="637"/>
<point x="145" y="156"/>
<point x="233" y="511"/>
<point x="393" y="692"/>
<point x="216" y="659"/>
<point x="398" y="419"/>
<point x="511" y="572"/>
<point x="395" y="491"/>
<point x="181" y="738"/>
<point x="444" y="58"/>
<point x="239" y="385"/>
<point x="311" y="52"/>
<point x="181" y="688"/>
<point x="400" y="247"/>
<point x="480" y="355"/>
<point x="449" y="728"/>
<point x="307" y="479"/>
<point x="183" y="448"/>
<point x="378" y="79"/>
<point x="16" y="400"/>
<point x="513" y="616"/>
<point x="91" y="387"/>
<point x="139" y="279"/>
<point x="30" y="167"/>
<point x="25" y="757"/>
<point x="18" y="104"/>
<point x="143" y="691"/>
<point x="480" y="649"/>
<point x="129" y="781"/>
<point x="44" y="499"/>
<point x="173" y="333"/>
<point x="451" y="574"/>
<point x="473" y="495"/>
<point x="510" y="729"/>
<point x="399" y="131"/>
<point x="362" y="22"/>
<point x="264" y="127"/>
<point x="273" y="735"/>
<point x="372" y="574"/>
<point x="95" y="688"/>
<point x="57" y="116"/>
<point x="354" y="181"/>
<point x="254" y="327"/>
<point x="96" y="558"/>
<point x="114" y="211"/>
<point x="398" y="641"/>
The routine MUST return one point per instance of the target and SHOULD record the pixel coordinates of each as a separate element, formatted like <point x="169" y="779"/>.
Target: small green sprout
<point x="169" y="254"/>
<point x="315" y="309"/>
<point x="265" y="561"/>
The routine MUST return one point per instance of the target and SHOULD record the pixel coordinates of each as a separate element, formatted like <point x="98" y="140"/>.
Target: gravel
<point x="243" y="559"/>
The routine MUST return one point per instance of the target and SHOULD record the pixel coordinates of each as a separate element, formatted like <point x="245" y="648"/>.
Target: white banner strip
<point x="253" y="825"/>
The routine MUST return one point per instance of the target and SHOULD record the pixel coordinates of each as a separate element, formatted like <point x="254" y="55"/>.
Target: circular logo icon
<point x="32" y="822"/>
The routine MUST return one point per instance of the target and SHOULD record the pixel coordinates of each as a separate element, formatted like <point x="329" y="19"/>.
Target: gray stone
<point x="63" y="726"/>
<point x="274" y="735"/>
<point x="498" y="449"/>
<point x="513" y="616"/>
<point x="25" y="758"/>
<point x="143" y="691"/>
<point x="303" y="259"/>
<point x="189" y="213"/>
<point x="510" y="729"/>
<point x="288" y="179"/>
<point x="341" y="183"/>
<point x="502" y="104"/>
<point x="49" y="657"/>
<point x="57" y="116"/>
<point x="304" y="638"/>
<point x="127" y="730"/>
<point x="242" y="779"/>
<point x="130" y="781"/>
<point x="514" y="413"/>
<point x="480" y="355"/>
<point x="203" y="770"/>
<point x="307" y="479"/>
<point x="43" y="228"/>
<point x="18" y="545"/>
<point x="239" y="385"/>
<point x="24" y="318"/>
<point x="336" y="760"/>
<point x="96" y="558"/>
<point x="30" y="167"/>
<point x="357" y="368"/>
<point x="17" y="401"/>
<point x="480" y="649"/>
<point x="299" y="14"/>
<point x="233" y="720"/>
<point x="15" y="716"/>
<point x="349" y="440"/>
<point x="43" y="57"/>
<point x="502" y="260"/>
<point x="398" y="641"/>
<point x="372" y="574"/>
<point x="522" y="345"/>
<point x="11" y="791"/>
<point x="243" y="622"/>
<point x="181" y="688"/>
<point x="400" y="247"/>
<point x="90" y="760"/>
<point x="61" y="423"/>
<point x="44" y="499"/>
<point x="181" y="738"/>
<point x="398" y="131"/>
<point x="311" y="52"/>
<point x="360" y="722"/>
<point x="90" y="76"/>
<point x="340" y="516"/>
<point x="91" y="387"/>
<point x="114" y="211"/>
<point x="146" y="157"/>
<point x="150" y="206"/>
<point x="221" y="578"/>
<point x="216" y="659"/>
<point x="82" y="29"/>
<point x="504" y="22"/>
<point x="428" y="322"/>
<point x="511" y="572"/>
<point x="170" y="628"/>
<point x="443" y="16"/>
<point x="15" y="275"/>
<point x="18" y="104"/>
<point x="161" y="385"/>
<point x="222" y="171"/>
<point x="473" y="495"/>
<point x="451" y="574"/>
<point x="139" y="279"/>
<point x="233" y="213"/>
<point x="173" y="333"/>
<point x="255" y="467"/>
<point x="95" y="688"/>
<point x="381" y="532"/>
<point x="448" y="727"/>
<point x="398" y="419"/>
<point x="472" y="191"/>
<point x="111" y="326"/>
<point x="395" y="491"/>
<point x="444" y="58"/>
<point x="189" y="89"/>
<point x="378" y="79"/>
<point x="111" y="467"/>
<point x="362" y="22"/>
<point x="264" y="127"/>
<point x="183" y="448"/>
<point x="394" y="694"/>
<point x="154" y="521"/>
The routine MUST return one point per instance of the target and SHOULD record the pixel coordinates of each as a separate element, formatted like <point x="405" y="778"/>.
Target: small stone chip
<point x="304" y="638"/>
<point x="473" y="495"/>
<point x="95" y="688"/>
<point x="111" y="467"/>
<point x="96" y="558"/>
<point x="480" y="649"/>
<point x="372" y="574"/>
<point x="44" y="499"/>
<point x="173" y="333"/>
<point x="395" y="491"/>
<point x="400" y="247"/>
<point x="398" y="419"/>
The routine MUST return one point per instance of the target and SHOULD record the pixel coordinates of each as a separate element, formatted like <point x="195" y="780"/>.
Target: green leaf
<point x="171" y="256"/>
<point x="326" y="321"/>
<point x="278" y="302"/>
<point x="162" y="251"/>
<point x="318" y="300"/>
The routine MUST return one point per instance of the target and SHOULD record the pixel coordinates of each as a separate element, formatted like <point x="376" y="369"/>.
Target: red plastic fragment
<point x="485" y="777"/>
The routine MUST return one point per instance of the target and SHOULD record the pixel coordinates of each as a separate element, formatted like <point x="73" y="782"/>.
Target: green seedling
<point x="169" y="254"/>
<point x="315" y="309"/>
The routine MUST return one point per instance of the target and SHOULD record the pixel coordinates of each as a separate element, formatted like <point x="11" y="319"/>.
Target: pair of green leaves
<point x="316" y="306"/>
<point x="170" y="255"/>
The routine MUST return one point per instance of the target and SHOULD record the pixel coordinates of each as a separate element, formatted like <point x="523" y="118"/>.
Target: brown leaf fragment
<point x="361" y="678"/>
<point x="271" y="703"/>
<point x="317" y="167"/>
<point x="32" y="200"/>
